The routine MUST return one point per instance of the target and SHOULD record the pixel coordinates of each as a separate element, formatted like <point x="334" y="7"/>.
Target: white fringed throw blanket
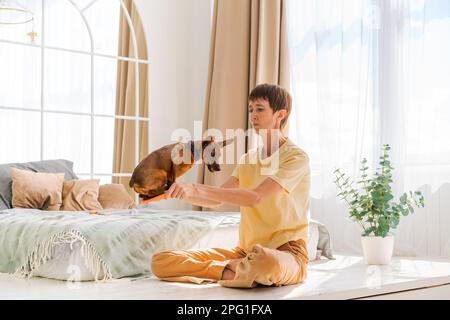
<point x="115" y="244"/>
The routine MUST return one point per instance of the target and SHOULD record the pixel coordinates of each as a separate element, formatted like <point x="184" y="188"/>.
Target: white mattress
<point x="67" y="262"/>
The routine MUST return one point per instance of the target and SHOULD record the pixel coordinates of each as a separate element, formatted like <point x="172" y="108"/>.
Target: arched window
<point x="73" y="85"/>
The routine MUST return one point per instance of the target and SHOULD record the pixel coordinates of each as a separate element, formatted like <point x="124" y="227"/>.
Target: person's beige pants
<point x="282" y="266"/>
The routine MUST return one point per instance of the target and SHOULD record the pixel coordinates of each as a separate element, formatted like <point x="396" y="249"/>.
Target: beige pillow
<point x="36" y="190"/>
<point x="81" y="195"/>
<point x="115" y="196"/>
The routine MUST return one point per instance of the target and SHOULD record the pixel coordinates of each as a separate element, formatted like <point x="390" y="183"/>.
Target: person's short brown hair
<point x="278" y="98"/>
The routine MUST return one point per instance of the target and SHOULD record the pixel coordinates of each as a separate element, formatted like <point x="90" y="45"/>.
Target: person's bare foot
<point x="228" y="275"/>
<point x="230" y="269"/>
<point x="232" y="264"/>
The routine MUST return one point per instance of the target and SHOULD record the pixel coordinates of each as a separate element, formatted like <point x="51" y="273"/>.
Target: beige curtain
<point x="124" y="130"/>
<point x="248" y="47"/>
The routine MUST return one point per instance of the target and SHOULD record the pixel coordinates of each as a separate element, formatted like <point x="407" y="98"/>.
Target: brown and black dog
<point x="159" y="170"/>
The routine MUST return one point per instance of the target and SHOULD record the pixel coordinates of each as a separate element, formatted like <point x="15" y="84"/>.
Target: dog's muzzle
<point x="213" y="167"/>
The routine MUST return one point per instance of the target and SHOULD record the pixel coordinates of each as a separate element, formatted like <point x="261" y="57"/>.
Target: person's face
<point x="262" y="116"/>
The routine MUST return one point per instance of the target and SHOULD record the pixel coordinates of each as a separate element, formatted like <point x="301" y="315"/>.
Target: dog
<point x="159" y="170"/>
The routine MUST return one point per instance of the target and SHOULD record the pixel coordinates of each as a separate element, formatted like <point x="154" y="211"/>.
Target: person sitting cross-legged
<point x="274" y="205"/>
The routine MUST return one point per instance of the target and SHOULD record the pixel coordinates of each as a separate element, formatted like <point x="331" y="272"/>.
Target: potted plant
<point x="372" y="206"/>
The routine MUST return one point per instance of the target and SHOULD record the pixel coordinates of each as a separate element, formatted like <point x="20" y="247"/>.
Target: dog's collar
<point x="194" y="151"/>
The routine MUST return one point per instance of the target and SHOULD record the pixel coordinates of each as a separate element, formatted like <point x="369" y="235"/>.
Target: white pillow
<point x="313" y="241"/>
<point x="324" y="247"/>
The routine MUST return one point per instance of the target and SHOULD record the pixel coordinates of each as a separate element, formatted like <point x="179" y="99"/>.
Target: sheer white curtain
<point x="415" y="82"/>
<point x="365" y="73"/>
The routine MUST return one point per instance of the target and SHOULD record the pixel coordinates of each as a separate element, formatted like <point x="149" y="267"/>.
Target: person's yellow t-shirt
<point x="284" y="215"/>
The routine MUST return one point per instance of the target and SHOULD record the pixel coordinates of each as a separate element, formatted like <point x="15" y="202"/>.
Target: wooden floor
<point x="347" y="277"/>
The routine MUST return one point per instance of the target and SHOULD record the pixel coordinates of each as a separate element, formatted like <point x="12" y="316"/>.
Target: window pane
<point x="103" y="18"/>
<point x="64" y="26"/>
<point x="67" y="81"/>
<point x="127" y="86"/>
<point x="104" y="179"/>
<point x="104" y="144"/>
<point x="125" y="32"/>
<point x="68" y="137"/>
<point x="20" y="76"/>
<point x="19" y="32"/>
<point x="81" y="4"/>
<point x="105" y="81"/>
<point x="20" y="132"/>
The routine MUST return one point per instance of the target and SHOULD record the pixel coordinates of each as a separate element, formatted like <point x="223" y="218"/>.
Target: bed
<point x="112" y="244"/>
<point x="85" y="247"/>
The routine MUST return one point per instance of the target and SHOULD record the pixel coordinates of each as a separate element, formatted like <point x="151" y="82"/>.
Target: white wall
<point x="178" y="36"/>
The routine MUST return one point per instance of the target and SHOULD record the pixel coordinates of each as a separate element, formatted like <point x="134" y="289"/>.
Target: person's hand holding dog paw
<point x="180" y="191"/>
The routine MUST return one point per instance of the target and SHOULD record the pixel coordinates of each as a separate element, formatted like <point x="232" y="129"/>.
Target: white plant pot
<point x="378" y="250"/>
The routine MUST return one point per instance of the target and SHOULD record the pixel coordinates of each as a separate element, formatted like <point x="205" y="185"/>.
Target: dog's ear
<point x="225" y="142"/>
<point x="181" y="152"/>
<point x="207" y="141"/>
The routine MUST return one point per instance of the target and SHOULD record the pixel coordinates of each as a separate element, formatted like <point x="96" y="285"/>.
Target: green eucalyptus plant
<point x="371" y="205"/>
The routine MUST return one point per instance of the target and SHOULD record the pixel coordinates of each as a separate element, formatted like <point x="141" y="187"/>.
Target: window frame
<point x="43" y="110"/>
